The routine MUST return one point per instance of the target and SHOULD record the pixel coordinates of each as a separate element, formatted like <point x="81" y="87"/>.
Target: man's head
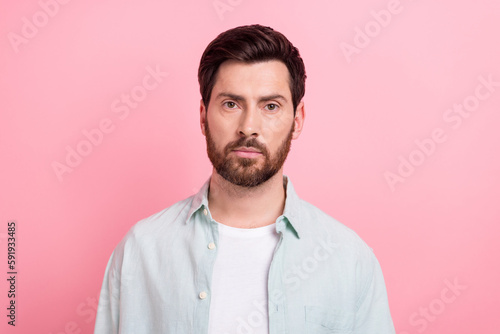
<point x="252" y="81"/>
<point x="251" y="44"/>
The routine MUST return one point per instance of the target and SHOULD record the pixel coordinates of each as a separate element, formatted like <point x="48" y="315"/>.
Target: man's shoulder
<point x="319" y="224"/>
<point x="160" y="223"/>
<point x="149" y="235"/>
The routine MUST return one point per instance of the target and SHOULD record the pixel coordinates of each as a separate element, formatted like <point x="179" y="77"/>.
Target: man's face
<point x="249" y="124"/>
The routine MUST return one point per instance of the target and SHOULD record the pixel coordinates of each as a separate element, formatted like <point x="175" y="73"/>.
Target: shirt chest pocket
<point x="322" y="320"/>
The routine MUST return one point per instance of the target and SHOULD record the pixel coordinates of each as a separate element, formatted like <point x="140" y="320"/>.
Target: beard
<point x="245" y="172"/>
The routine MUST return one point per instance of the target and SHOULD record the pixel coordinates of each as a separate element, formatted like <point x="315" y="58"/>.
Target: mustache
<point x="245" y="142"/>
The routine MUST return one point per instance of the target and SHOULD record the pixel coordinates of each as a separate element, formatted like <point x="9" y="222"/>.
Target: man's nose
<point x="250" y="122"/>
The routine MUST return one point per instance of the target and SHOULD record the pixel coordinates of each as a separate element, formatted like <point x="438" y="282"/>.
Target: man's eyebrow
<point x="273" y="97"/>
<point x="231" y="96"/>
<point x="261" y="99"/>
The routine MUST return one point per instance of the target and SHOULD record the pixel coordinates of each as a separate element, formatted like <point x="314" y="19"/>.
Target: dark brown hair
<point x="251" y="44"/>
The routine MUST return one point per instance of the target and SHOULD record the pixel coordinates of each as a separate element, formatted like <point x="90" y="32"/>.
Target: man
<point x="245" y="254"/>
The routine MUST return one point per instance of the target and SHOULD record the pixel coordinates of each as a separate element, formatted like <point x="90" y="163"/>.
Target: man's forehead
<point x="262" y="78"/>
<point x="259" y="68"/>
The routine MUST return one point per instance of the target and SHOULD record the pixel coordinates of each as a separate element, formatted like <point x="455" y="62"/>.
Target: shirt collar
<point x="291" y="211"/>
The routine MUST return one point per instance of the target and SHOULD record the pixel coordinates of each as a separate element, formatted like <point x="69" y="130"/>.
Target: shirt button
<point x="203" y="295"/>
<point x="205" y="212"/>
<point x="211" y="245"/>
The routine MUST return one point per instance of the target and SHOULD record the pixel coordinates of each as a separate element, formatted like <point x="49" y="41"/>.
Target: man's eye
<point x="272" y="107"/>
<point x="230" y="104"/>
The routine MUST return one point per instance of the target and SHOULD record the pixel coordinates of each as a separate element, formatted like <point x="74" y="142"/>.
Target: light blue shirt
<point x="323" y="278"/>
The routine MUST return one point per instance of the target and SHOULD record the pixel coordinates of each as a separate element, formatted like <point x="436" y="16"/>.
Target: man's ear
<point x="300" y="115"/>
<point x="203" y="116"/>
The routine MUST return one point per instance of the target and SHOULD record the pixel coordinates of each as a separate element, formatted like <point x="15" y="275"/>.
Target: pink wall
<point x="401" y="142"/>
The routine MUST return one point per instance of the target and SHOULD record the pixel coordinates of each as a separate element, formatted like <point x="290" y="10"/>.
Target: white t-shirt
<point x="239" y="283"/>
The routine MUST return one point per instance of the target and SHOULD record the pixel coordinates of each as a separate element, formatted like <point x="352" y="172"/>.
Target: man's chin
<point x="241" y="164"/>
<point x="245" y="179"/>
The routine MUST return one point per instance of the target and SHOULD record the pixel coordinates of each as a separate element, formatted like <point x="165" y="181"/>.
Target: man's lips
<point x="247" y="152"/>
<point x="246" y="149"/>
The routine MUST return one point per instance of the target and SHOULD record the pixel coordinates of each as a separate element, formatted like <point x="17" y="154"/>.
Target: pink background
<point x="365" y="110"/>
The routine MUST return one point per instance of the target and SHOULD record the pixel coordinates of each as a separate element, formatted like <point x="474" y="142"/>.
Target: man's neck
<point x="244" y="207"/>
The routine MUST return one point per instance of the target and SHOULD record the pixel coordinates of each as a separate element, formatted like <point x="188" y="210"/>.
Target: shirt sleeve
<point x="373" y="315"/>
<point x="108" y="310"/>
